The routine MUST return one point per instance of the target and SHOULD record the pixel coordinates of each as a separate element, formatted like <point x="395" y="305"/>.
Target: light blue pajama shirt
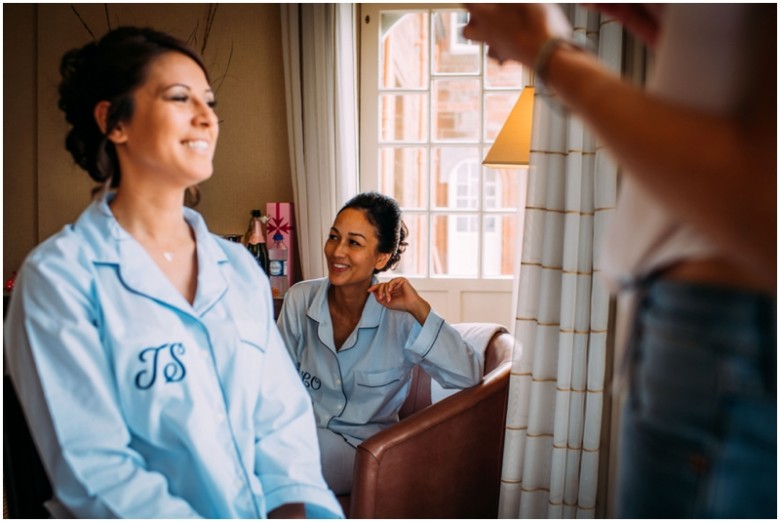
<point x="144" y="406"/>
<point x="358" y="390"/>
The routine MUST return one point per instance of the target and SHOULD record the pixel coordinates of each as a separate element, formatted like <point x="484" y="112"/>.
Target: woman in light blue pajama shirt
<point x="357" y="368"/>
<point x="146" y="400"/>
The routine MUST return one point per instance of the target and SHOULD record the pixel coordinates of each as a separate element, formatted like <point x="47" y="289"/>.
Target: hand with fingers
<point x="399" y="294"/>
<point x="640" y="19"/>
<point x="515" y="31"/>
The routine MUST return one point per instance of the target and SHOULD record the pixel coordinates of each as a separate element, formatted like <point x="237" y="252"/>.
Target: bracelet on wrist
<point x="546" y="51"/>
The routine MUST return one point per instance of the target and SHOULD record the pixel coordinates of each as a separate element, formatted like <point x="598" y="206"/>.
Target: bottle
<point x="255" y="241"/>
<point x="277" y="255"/>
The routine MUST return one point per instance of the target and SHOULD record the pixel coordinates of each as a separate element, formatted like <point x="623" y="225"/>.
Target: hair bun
<point x="108" y="70"/>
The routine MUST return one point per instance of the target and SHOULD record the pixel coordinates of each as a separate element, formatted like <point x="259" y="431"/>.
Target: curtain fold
<point x="552" y="438"/>
<point x="320" y="74"/>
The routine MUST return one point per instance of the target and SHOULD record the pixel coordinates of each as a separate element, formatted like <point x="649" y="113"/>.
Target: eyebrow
<point x="184" y="85"/>
<point x="334" y="229"/>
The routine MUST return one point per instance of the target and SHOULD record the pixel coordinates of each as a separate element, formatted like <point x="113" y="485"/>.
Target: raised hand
<point x="641" y="19"/>
<point x="399" y="294"/>
<point x="515" y="31"/>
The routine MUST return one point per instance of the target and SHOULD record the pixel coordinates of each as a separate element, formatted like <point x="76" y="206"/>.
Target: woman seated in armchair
<point x="355" y="340"/>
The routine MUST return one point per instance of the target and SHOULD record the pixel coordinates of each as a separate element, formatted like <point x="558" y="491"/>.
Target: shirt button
<point x="338" y="382"/>
<point x="205" y="355"/>
<point x="219" y="418"/>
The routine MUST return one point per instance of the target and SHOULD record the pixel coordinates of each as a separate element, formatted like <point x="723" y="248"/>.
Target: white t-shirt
<point x="699" y="65"/>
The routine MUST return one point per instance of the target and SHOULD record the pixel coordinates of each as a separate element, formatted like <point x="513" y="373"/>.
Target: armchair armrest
<point x="441" y="462"/>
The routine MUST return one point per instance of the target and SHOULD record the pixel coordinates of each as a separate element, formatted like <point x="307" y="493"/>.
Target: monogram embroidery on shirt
<point x="311" y="381"/>
<point x="173" y="370"/>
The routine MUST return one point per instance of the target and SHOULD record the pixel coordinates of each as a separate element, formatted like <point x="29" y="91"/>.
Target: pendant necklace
<point x="168" y="256"/>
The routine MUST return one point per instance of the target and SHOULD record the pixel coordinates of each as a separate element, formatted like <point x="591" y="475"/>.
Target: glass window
<point x="440" y="103"/>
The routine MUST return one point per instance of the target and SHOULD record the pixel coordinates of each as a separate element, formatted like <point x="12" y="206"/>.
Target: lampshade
<point x="513" y="144"/>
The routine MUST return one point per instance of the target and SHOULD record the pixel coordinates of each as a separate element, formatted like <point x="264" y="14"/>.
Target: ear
<point x="381" y="261"/>
<point x="100" y="113"/>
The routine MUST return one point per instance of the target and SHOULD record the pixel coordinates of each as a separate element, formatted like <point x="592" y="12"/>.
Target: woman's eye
<point x="179" y="98"/>
<point x="332" y="237"/>
<point x="354" y="243"/>
<point x="212" y="104"/>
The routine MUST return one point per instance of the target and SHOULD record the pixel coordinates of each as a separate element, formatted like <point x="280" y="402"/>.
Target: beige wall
<point x="43" y="190"/>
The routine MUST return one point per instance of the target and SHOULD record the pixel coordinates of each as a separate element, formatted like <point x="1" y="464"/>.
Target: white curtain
<point x="551" y="452"/>
<point x="320" y="75"/>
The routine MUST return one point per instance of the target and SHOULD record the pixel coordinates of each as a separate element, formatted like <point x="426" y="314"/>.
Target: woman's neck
<point x="158" y="217"/>
<point x="346" y="304"/>
<point x="157" y="222"/>
<point x="350" y="299"/>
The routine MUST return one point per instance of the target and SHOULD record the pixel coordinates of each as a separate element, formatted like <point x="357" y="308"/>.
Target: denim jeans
<point x="699" y="428"/>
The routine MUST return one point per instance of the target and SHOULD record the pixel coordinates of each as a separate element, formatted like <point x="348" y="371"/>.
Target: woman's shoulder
<point x="309" y="286"/>
<point x="64" y="247"/>
<point x="90" y="238"/>
<point x="62" y="260"/>
<point x="302" y="294"/>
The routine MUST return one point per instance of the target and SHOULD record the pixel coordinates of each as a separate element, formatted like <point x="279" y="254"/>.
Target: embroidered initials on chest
<point x="165" y="360"/>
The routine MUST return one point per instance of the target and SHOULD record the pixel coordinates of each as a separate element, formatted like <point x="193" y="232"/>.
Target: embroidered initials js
<point x="173" y="369"/>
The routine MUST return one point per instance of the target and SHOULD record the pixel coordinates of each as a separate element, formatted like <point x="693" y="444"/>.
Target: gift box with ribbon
<point x="280" y="219"/>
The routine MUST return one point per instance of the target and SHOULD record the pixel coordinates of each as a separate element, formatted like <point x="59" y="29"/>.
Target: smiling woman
<point x="355" y="340"/>
<point x="173" y="132"/>
<point x="140" y="323"/>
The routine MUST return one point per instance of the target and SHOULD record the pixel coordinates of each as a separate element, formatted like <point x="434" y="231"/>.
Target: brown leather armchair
<point x="441" y="460"/>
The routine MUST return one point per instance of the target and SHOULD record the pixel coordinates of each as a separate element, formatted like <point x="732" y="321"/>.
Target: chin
<point x="201" y="176"/>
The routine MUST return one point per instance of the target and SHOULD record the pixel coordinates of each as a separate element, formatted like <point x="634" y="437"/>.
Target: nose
<point x="205" y="115"/>
<point x="338" y="249"/>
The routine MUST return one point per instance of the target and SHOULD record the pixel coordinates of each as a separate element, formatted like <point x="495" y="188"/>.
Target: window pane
<point x="440" y="104"/>
<point x="453" y="54"/>
<point x="404" y="117"/>
<point x="508" y="75"/>
<point x="413" y="260"/>
<point x="455" y="243"/>
<point x="456" y="110"/>
<point x="403" y="50"/>
<point x="503" y="188"/>
<point x="498" y="105"/>
<point x="455" y="172"/>
<point x="499" y="239"/>
<point x="403" y="174"/>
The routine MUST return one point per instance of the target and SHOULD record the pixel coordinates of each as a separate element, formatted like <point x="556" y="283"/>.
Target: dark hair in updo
<point x="108" y="70"/>
<point x="385" y="215"/>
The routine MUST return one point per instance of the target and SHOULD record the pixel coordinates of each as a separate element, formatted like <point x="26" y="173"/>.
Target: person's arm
<point x="716" y="172"/>
<point x="444" y="355"/>
<point x="63" y="378"/>
<point x="641" y="19"/>
<point x="433" y="343"/>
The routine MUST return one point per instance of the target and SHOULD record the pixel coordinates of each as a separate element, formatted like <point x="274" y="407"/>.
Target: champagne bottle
<point x="255" y="241"/>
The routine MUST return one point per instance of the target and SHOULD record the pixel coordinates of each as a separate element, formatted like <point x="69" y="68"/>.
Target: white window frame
<point x="457" y="47"/>
<point x="448" y="294"/>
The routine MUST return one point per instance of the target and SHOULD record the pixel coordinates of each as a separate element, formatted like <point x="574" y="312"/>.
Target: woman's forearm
<point x="718" y="173"/>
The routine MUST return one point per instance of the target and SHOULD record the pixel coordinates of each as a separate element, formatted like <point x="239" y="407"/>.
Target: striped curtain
<point x="554" y="419"/>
